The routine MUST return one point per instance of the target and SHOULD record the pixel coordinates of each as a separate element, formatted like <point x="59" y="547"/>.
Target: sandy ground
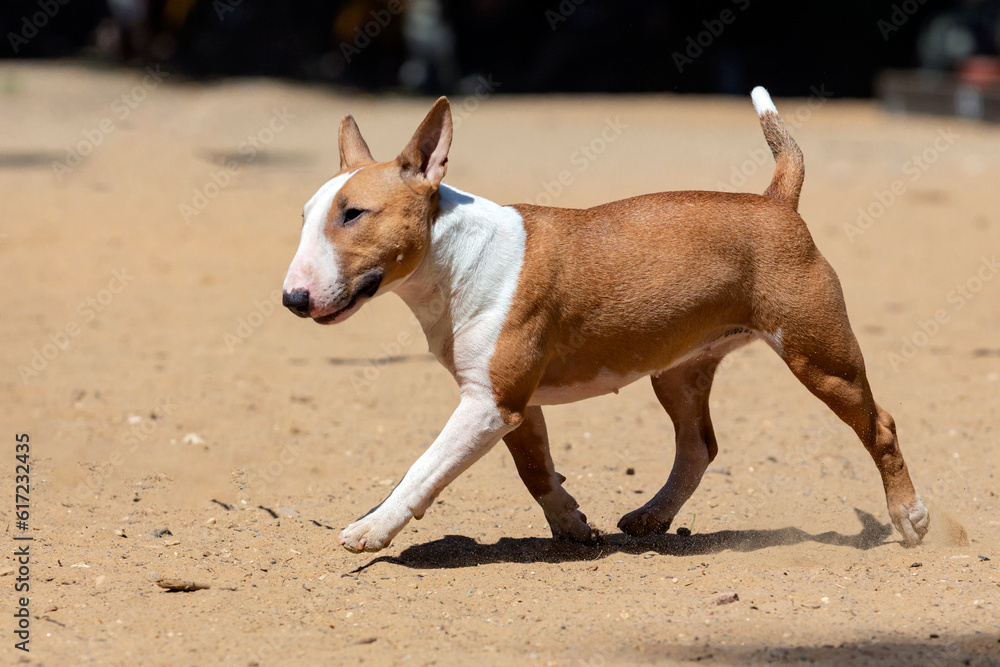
<point x="163" y="389"/>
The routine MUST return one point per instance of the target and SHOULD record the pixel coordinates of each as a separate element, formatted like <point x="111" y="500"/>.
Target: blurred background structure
<point x="445" y="46"/>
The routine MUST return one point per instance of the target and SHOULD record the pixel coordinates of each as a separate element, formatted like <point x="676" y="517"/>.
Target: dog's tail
<point x="790" y="169"/>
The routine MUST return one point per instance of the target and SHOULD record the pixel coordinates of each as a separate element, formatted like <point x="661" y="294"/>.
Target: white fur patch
<point x="461" y="292"/>
<point x="474" y="427"/>
<point x="605" y="382"/>
<point x="477" y="249"/>
<point x="315" y="267"/>
<point x="762" y="101"/>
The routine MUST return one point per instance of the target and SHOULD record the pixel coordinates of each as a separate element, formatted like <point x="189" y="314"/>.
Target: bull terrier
<point x="534" y="305"/>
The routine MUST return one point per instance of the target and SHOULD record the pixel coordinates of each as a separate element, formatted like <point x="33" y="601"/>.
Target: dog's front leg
<point x="474" y="427"/>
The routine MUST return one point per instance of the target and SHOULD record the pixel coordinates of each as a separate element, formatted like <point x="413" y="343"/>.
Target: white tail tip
<point x="762" y="101"/>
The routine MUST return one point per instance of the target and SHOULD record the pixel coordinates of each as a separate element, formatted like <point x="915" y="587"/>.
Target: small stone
<point x="171" y="543"/>
<point x="684" y="531"/>
<point x="193" y="439"/>
<point x="286" y="511"/>
<point x="211" y="521"/>
<point x="160" y="532"/>
<point x="181" y="585"/>
<point x="120" y="533"/>
<point x="629" y="471"/>
<point x="649" y="554"/>
<point x="727" y="598"/>
<point x="99" y="581"/>
<point x="917" y="565"/>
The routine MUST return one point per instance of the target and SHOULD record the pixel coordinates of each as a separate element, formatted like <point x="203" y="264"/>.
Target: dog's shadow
<point x="454" y="551"/>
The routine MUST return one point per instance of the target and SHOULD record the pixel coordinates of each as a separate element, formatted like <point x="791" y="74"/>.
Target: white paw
<point x="912" y="520"/>
<point x="371" y="533"/>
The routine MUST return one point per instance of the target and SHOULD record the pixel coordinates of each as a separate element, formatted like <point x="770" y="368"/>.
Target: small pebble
<point x="160" y="532"/>
<point x="181" y="585"/>
<point x="684" y="531"/>
<point x="917" y="565"/>
<point x="193" y="439"/>
<point x="727" y="598"/>
<point x="629" y="471"/>
<point x="120" y="533"/>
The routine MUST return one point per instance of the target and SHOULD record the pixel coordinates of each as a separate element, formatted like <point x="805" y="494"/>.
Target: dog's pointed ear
<point x="424" y="161"/>
<point x="354" y="151"/>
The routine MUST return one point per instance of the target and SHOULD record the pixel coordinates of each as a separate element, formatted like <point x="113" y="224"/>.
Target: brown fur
<point x="662" y="284"/>
<point x="790" y="170"/>
<point x="630" y="286"/>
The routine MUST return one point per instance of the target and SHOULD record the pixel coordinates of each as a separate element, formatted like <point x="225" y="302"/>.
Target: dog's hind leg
<point x="529" y="445"/>
<point x="683" y="393"/>
<point x="819" y="347"/>
<point x="832" y="368"/>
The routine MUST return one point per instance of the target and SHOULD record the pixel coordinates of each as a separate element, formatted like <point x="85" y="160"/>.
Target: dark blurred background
<point x="452" y="46"/>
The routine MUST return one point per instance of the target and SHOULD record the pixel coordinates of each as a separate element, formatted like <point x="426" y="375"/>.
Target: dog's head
<point x="368" y="227"/>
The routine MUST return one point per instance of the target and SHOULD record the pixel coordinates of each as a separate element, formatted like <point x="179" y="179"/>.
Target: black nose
<point x="296" y="301"/>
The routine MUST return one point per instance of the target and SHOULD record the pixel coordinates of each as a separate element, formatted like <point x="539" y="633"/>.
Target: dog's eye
<point x="352" y="214"/>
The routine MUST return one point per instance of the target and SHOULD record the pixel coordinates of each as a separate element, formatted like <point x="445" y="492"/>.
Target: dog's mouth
<point x="366" y="289"/>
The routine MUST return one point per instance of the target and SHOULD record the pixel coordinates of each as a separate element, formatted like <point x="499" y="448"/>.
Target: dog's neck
<point x="475" y="256"/>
